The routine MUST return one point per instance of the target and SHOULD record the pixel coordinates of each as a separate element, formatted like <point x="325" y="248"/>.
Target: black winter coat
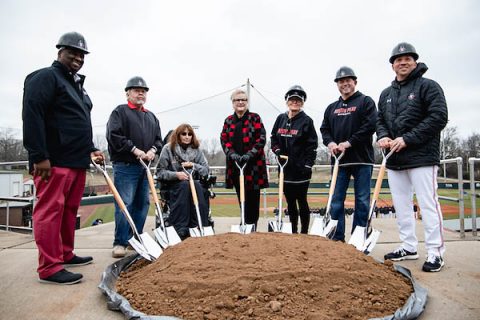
<point x="128" y="128"/>
<point x="416" y="110"/>
<point x="56" y="118"/>
<point x="296" y="138"/>
<point x="351" y="120"/>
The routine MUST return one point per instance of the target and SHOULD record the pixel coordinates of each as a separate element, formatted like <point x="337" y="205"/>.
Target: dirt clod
<point x="267" y="276"/>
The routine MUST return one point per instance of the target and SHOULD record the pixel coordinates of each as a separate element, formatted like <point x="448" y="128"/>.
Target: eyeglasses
<point x="186" y="134"/>
<point x="239" y="100"/>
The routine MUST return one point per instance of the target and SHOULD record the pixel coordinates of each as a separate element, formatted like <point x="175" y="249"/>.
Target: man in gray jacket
<point x="411" y="114"/>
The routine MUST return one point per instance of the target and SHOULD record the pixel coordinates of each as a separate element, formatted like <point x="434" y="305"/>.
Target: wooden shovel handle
<point x="194" y="191"/>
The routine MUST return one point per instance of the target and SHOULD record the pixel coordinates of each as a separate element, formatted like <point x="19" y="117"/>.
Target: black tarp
<point x="411" y="310"/>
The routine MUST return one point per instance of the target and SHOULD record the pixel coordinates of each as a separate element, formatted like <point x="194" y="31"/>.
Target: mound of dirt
<point x="264" y="276"/>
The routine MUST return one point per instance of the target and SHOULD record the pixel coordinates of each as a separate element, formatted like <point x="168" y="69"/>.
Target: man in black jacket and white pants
<point x="348" y="126"/>
<point x="411" y="114"/>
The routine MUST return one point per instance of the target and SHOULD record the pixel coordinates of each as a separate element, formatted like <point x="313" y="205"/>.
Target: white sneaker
<point x="119" y="252"/>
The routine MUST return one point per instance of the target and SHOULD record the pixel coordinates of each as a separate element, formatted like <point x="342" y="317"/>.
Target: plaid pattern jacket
<point x="254" y="139"/>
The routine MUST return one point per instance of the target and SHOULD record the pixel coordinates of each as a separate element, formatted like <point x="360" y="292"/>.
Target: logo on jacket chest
<point x="287" y="132"/>
<point x="411" y="96"/>
<point x="344" y="110"/>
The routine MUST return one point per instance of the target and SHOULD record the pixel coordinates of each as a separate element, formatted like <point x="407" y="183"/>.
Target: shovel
<point x="242" y="227"/>
<point x="199" y="231"/>
<point x="166" y="236"/>
<point x="279" y="225"/>
<point x="325" y="226"/>
<point x="365" y="238"/>
<point x="142" y="243"/>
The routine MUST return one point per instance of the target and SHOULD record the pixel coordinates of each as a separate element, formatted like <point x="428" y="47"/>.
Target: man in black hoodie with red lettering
<point x="348" y="126"/>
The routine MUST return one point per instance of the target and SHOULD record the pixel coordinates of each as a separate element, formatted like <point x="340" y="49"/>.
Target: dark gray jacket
<point x="416" y="110"/>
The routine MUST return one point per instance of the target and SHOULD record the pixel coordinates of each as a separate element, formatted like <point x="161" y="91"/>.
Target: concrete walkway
<point x="453" y="293"/>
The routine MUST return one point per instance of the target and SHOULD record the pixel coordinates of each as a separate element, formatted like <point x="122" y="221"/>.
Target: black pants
<point x="252" y="203"/>
<point x="297" y="193"/>
<point x="183" y="214"/>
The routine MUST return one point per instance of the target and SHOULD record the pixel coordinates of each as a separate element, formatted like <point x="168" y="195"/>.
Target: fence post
<point x="473" y="195"/>
<point x="461" y="202"/>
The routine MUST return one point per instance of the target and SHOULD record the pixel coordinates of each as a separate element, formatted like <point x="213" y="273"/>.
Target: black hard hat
<point x="296" y="91"/>
<point x="73" y="40"/>
<point x="345" y="72"/>
<point x="402" y="49"/>
<point x="136" y="82"/>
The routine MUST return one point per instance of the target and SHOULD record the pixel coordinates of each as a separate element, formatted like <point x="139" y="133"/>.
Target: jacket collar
<point x="57" y="64"/>
<point x="416" y="73"/>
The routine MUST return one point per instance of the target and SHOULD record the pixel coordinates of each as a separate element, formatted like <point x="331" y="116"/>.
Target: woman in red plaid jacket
<point x="243" y="138"/>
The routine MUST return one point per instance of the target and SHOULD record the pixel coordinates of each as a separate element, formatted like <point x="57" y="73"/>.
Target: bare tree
<point x="11" y="148"/>
<point x="213" y="151"/>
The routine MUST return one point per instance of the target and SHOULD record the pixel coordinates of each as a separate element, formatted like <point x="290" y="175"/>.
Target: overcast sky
<point x="190" y="50"/>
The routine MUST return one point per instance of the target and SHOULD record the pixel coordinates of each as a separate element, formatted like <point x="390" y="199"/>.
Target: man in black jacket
<point x="133" y="133"/>
<point x="412" y="113"/>
<point x="348" y="125"/>
<point x="57" y="133"/>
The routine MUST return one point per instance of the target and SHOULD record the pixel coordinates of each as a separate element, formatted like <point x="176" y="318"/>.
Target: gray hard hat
<point x="345" y="72"/>
<point x="136" y="82"/>
<point x="296" y="91"/>
<point x="73" y="40"/>
<point x="403" y="49"/>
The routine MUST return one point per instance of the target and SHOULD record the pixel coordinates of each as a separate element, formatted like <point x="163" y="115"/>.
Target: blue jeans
<point x="362" y="175"/>
<point x="131" y="182"/>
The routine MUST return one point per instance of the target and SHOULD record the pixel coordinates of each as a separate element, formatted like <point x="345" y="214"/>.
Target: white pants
<point x="422" y="181"/>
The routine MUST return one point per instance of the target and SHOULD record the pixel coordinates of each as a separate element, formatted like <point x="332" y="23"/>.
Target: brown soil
<point x="264" y="276"/>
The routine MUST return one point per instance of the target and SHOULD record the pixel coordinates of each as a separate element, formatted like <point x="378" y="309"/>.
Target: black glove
<point x="278" y="152"/>
<point x="235" y="157"/>
<point x="245" y="158"/>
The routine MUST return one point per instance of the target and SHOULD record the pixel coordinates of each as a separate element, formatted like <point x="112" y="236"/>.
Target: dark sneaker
<point x="62" y="277"/>
<point x="433" y="264"/>
<point x="401" y="254"/>
<point x="78" y="261"/>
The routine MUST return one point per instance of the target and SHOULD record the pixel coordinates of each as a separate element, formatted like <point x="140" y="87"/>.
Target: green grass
<point x="106" y="213"/>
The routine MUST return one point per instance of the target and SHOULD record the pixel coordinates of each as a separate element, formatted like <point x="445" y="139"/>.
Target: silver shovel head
<point x="318" y="226"/>
<point x="357" y="239"/>
<point x="147" y="248"/>
<point x="243" y="229"/>
<point x="329" y="230"/>
<point x="197" y="232"/>
<point x="283" y="227"/>
<point x="167" y="237"/>
<point x="371" y="241"/>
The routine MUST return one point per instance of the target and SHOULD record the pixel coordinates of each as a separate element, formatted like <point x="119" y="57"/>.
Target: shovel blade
<point x="329" y="230"/>
<point x="371" y="241"/>
<point x="149" y="249"/>
<point x="151" y="245"/>
<point x="197" y="232"/>
<point x="318" y="226"/>
<point x="167" y="237"/>
<point x="283" y="227"/>
<point x="243" y="229"/>
<point x="358" y="238"/>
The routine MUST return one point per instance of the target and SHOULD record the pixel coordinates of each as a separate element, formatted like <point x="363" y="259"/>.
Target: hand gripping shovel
<point x="199" y="231"/>
<point x="325" y="226"/>
<point x="142" y="243"/>
<point x="242" y="227"/>
<point x="279" y="225"/>
<point x="166" y="236"/>
<point x="365" y="238"/>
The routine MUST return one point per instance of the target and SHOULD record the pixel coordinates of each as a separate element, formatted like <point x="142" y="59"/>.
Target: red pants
<point x="54" y="217"/>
